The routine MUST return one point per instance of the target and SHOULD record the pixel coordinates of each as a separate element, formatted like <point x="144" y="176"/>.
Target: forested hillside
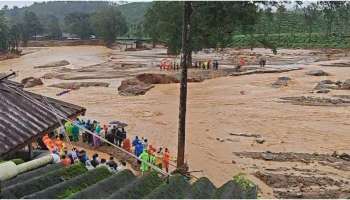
<point x="320" y="24"/>
<point x="133" y="12"/>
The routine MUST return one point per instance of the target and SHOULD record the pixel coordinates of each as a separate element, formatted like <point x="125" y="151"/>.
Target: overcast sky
<point x="22" y="3"/>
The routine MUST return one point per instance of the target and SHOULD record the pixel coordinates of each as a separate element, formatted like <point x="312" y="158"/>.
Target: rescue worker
<point x="65" y="161"/>
<point x="240" y="64"/>
<point x="159" y="157"/>
<point x="166" y="159"/>
<point x="59" y="144"/>
<point x="138" y="149"/>
<point x="262" y="61"/>
<point x="127" y="145"/>
<point x="144" y="156"/>
<point x="96" y="140"/>
<point x="152" y="157"/>
<point x="75" y="133"/>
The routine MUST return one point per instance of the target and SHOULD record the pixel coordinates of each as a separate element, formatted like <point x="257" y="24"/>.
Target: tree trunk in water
<point x="185" y="62"/>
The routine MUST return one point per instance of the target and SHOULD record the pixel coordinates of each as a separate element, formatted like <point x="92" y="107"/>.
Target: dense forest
<point x="324" y="24"/>
<point x="62" y="19"/>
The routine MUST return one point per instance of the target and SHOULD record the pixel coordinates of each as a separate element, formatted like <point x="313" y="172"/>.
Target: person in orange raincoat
<point x="45" y="139"/>
<point x="65" y="161"/>
<point x="151" y="149"/>
<point x="59" y="143"/>
<point x="166" y="159"/>
<point x="127" y="145"/>
<point x="240" y="64"/>
<point x="51" y="145"/>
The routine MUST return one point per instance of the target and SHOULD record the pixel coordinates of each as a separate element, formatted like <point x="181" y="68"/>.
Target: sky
<point x="23" y="3"/>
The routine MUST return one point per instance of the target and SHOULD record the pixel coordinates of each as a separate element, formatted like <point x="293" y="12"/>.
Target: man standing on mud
<point x="262" y="61"/>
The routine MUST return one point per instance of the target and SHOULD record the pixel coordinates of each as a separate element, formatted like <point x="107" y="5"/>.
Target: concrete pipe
<point x="33" y="164"/>
<point x="8" y="170"/>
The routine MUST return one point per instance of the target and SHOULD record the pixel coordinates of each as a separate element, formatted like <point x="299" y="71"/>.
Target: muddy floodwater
<point x="218" y="110"/>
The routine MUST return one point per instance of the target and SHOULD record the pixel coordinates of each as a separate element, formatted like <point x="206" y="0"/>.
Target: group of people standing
<point x="140" y="147"/>
<point x="148" y="154"/>
<point x="206" y="65"/>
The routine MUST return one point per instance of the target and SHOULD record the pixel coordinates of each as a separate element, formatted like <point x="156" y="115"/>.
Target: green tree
<point x="31" y="26"/>
<point x="53" y="28"/>
<point x="79" y="24"/>
<point x="310" y="15"/>
<point x="14" y="38"/>
<point x="3" y="33"/>
<point x="213" y="23"/>
<point x="108" y="24"/>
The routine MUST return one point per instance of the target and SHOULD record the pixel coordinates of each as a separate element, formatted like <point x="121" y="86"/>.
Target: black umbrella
<point x="118" y="124"/>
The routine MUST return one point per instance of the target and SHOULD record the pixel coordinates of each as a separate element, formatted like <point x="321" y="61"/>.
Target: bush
<point x="177" y="188"/>
<point x="31" y="174"/>
<point x="41" y="182"/>
<point x="74" y="185"/>
<point x="138" y="188"/>
<point x="243" y="182"/>
<point x="104" y="188"/>
<point x="239" y="188"/>
<point x="203" y="188"/>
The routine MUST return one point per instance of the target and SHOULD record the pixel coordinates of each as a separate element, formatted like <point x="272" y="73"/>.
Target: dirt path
<point x="216" y="108"/>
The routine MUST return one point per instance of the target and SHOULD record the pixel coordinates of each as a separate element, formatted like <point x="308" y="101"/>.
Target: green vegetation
<point x="108" y="24"/>
<point x="79" y="24"/>
<point x="323" y="24"/>
<point x="272" y="24"/>
<point x="243" y="182"/>
<point x="298" y="40"/>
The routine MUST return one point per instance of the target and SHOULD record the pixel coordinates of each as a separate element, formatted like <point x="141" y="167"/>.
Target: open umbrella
<point x="118" y="124"/>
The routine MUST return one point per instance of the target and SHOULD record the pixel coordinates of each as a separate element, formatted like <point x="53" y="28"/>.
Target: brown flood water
<point x="215" y="108"/>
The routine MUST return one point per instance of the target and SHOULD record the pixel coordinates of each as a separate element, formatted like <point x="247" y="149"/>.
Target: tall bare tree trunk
<point x="186" y="61"/>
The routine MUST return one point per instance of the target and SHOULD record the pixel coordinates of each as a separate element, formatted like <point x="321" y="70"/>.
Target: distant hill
<point x="133" y="12"/>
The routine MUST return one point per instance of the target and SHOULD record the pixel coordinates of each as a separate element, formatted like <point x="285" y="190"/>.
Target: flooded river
<point x="216" y="108"/>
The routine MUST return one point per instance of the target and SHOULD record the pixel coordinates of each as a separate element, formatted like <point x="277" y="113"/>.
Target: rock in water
<point x="54" y="64"/>
<point x="133" y="87"/>
<point x="77" y="85"/>
<point x="281" y="81"/>
<point x="317" y="72"/>
<point x="346" y="85"/>
<point x="149" y="78"/>
<point x="260" y="140"/>
<point x="322" y="91"/>
<point x="31" y="82"/>
<point x="327" y="82"/>
<point x="267" y="156"/>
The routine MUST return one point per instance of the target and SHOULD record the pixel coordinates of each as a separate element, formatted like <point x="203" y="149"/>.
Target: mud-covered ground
<point x="219" y="110"/>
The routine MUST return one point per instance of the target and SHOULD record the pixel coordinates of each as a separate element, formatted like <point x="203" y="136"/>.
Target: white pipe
<point x="9" y="169"/>
<point x="33" y="164"/>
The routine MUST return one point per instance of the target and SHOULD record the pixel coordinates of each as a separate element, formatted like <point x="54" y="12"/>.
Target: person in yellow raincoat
<point x="145" y="158"/>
